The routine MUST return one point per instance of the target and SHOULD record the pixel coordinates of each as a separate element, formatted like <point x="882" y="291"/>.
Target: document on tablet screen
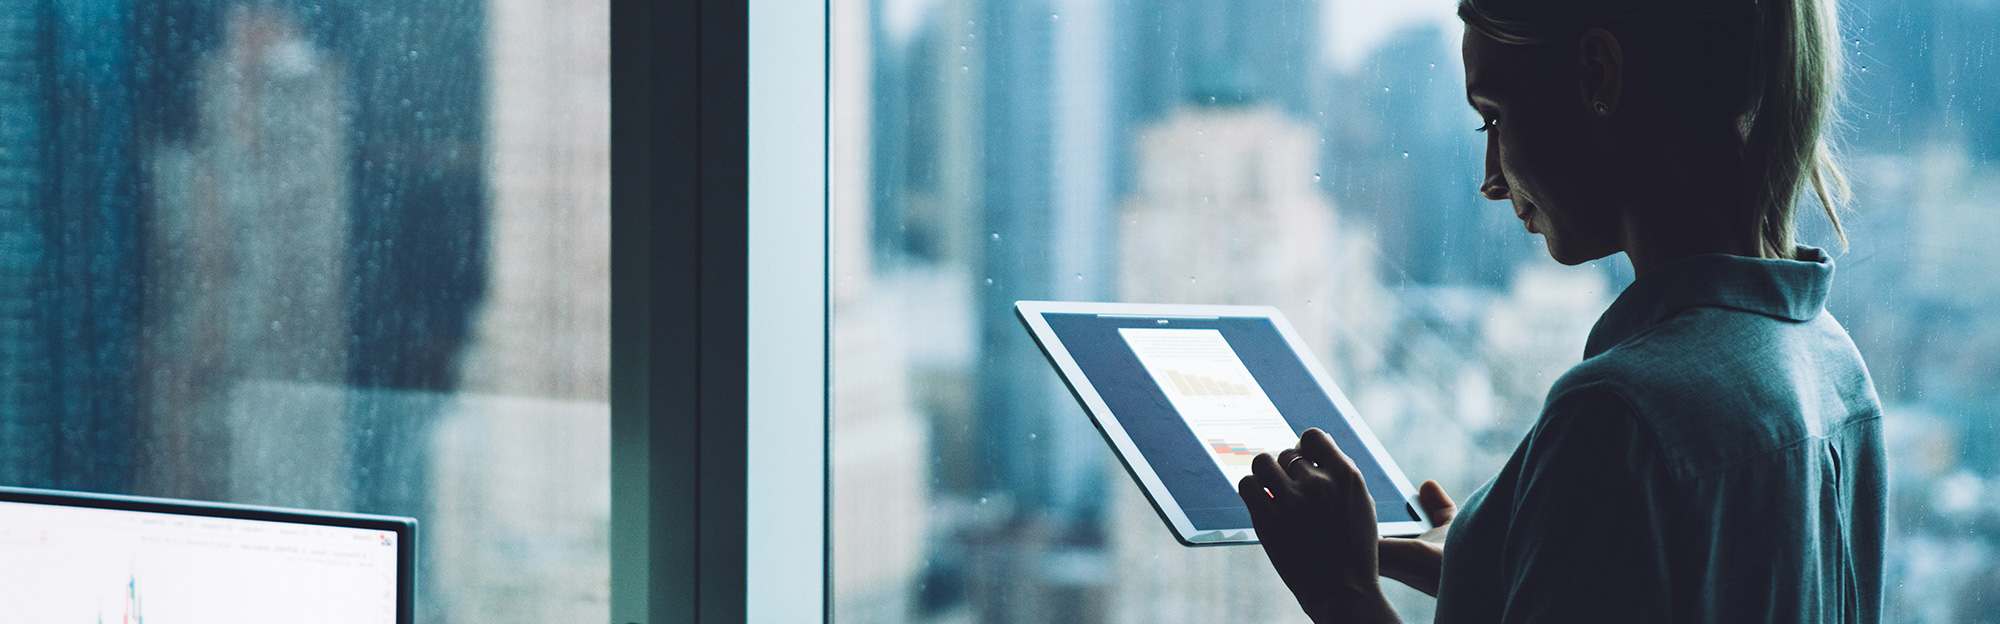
<point x="1214" y="393"/>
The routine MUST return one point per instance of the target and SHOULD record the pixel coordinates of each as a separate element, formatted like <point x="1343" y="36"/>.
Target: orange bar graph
<point x="1190" y="384"/>
<point x="1231" y="453"/>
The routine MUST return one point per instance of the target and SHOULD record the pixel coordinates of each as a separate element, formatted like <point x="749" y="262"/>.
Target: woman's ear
<point x="1603" y="68"/>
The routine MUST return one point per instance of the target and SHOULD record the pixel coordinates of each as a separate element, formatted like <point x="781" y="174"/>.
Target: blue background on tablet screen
<point x="1180" y="460"/>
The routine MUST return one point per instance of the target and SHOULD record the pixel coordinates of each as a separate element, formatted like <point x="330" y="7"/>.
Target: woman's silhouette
<point x="1717" y="456"/>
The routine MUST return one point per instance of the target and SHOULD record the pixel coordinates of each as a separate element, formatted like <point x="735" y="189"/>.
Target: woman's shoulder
<point x="1715" y="386"/>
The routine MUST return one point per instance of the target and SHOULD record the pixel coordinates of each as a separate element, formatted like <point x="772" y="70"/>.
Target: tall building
<point x="1217" y="51"/>
<point x="1225" y="210"/>
<point x="882" y="508"/>
<point x="535" y="378"/>
<point x="69" y="244"/>
<point x="1404" y="158"/>
<point x="247" y="305"/>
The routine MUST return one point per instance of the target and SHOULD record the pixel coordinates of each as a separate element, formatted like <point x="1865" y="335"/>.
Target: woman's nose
<point x="1494" y="187"/>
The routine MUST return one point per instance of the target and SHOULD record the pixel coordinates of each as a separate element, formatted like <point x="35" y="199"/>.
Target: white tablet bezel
<point x="1136" y="464"/>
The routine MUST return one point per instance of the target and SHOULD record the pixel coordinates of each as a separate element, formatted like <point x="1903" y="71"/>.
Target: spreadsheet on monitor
<point x="64" y="564"/>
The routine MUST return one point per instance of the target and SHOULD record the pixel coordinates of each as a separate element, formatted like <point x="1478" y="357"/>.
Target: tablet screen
<point x="1201" y="397"/>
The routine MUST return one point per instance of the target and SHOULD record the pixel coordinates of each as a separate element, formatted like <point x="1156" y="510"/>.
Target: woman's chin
<point x="1570" y="255"/>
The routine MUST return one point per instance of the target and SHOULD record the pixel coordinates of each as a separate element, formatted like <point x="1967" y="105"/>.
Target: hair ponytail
<point x="1781" y="104"/>
<point x="1796" y="72"/>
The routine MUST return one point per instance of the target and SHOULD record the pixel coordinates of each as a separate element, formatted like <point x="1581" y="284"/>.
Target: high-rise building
<point x="1217" y="51"/>
<point x="880" y="452"/>
<point x="247" y="300"/>
<point x="1404" y="158"/>
<point x="1224" y="210"/>
<point x="536" y="375"/>
<point x="69" y="244"/>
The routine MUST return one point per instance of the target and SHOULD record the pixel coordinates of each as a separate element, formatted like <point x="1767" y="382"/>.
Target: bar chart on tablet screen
<point x="1214" y="393"/>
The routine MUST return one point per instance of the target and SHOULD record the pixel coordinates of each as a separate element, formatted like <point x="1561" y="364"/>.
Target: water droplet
<point x="1079" y="277"/>
<point x="1385" y="89"/>
<point x="1864" y="69"/>
<point x="989" y="281"/>
<point x="1315" y="177"/>
<point x="1054" y="17"/>
<point x="965" y="69"/>
<point x="1434" y="65"/>
<point x="961" y="48"/>
<point x="982" y="500"/>
<point x="1406" y="154"/>
<point x="1032" y="436"/>
<point x="1190" y="279"/>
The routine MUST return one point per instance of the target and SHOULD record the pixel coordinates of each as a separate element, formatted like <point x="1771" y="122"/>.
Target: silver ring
<point x="1293" y="460"/>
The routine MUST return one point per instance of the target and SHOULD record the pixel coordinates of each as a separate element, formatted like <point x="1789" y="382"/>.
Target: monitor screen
<point x="89" y="559"/>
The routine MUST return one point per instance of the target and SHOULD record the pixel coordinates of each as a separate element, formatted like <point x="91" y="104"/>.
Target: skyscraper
<point x="1224" y="210"/>
<point x="69" y="233"/>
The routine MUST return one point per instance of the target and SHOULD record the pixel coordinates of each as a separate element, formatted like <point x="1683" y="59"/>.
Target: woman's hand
<point x="1317" y="523"/>
<point x="1416" y="562"/>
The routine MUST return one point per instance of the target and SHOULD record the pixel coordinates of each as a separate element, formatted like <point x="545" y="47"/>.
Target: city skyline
<point x="1449" y="321"/>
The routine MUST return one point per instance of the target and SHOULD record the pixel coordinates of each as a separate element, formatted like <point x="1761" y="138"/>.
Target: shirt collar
<point x="1792" y="290"/>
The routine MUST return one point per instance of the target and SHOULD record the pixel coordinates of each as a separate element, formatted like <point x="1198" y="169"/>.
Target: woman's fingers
<point x="1265" y="468"/>
<point x="1318" y="447"/>
<point x="1289" y="459"/>
<point x="1256" y="499"/>
<point x="1437" y="506"/>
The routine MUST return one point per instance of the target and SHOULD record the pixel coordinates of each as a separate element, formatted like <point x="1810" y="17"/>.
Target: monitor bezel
<point x="404" y="527"/>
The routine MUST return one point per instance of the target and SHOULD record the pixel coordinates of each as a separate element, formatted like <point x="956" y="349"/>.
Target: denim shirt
<point x="1717" y="457"/>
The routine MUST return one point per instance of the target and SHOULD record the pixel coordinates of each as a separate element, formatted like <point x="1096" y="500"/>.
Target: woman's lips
<point x="1524" y="210"/>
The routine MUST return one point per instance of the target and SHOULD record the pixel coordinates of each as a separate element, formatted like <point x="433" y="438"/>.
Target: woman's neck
<point x="1689" y="205"/>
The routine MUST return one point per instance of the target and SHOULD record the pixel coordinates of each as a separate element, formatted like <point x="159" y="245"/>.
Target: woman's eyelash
<point x="1490" y="123"/>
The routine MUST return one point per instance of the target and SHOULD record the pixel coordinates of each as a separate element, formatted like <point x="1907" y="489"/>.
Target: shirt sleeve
<point x="1587" y="537"/>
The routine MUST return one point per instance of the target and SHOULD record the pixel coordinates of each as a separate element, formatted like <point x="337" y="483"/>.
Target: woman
<point x="1717" y="455"/>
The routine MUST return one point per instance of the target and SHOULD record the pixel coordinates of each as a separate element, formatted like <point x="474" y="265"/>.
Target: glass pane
<point x="347" y="255"/>
<point x="1315" y="156"/>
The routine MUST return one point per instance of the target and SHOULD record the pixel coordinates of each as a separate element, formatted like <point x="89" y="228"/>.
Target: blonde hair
<point x="1786" y="100"/>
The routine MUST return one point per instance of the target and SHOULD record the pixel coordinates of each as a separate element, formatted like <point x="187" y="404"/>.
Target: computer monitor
<point x="69" y="557"/>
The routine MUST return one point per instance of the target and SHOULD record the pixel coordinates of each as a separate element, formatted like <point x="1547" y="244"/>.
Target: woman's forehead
<point x="1483" y="67"/>
<point x="1491" y="65"/>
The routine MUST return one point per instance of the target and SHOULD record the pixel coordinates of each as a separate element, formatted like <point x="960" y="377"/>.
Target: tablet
<point x="1187" y="395"/>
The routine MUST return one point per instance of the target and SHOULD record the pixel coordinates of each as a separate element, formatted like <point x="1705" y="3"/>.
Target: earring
<point x="1603" y="110"/>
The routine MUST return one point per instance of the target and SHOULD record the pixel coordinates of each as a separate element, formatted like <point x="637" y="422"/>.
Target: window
<point x="1317" y="156"/>
<point x="347" y="255"/>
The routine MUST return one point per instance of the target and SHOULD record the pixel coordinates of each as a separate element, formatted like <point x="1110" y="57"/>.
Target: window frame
<point x="719" y="311"/>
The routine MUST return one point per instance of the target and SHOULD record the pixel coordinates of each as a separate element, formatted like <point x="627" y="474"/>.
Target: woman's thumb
<point x="1437" y="505"/>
